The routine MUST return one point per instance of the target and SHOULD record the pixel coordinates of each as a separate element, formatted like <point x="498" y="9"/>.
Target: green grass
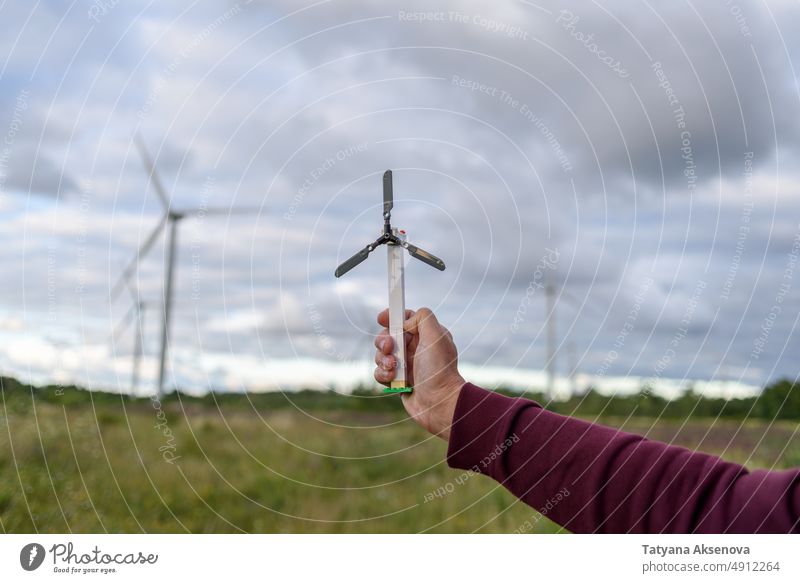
<point x="96" y="467"/>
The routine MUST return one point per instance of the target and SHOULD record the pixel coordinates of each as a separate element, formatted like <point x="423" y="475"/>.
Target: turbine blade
<point x="134" y="293"/>
<point x="151" y="170"/>
<point x="139" y="254"/>
<point x="388" y="192"/>
<point x="424" y="256"/>
<point x="356" y="259"/>
<point x="122" y="325"/>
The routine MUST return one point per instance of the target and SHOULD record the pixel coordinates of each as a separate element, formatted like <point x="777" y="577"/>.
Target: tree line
<point x="780" y="400"/>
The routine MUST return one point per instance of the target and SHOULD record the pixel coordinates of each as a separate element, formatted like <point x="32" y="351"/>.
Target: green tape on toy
<point x="398" y="390"/>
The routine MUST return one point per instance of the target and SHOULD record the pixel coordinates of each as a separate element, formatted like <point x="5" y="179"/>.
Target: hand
<point x="432" y="369"/>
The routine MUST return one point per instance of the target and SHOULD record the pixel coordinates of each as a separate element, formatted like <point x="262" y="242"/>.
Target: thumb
<point x="423" y="323"/>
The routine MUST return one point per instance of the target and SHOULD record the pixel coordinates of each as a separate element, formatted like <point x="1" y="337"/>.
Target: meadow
<point x="90" y="462"/>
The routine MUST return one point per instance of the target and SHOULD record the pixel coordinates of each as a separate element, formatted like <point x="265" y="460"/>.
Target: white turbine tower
<point x="552" y="295"/>
<point x="171" y="217"/>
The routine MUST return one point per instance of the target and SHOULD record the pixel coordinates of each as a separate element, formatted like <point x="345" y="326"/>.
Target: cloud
<point x="30" y="173"/>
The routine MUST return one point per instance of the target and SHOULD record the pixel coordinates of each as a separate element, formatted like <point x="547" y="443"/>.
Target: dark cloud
<point x="30" y="173"/>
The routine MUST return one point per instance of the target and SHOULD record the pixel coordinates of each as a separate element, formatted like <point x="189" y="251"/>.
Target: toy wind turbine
<point x="395" y="240"/>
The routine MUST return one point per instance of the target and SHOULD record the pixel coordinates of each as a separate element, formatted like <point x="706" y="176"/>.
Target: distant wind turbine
<point x="552" y="293"/>
<point x="171" y="217"/>
<point x="136" y="313"/>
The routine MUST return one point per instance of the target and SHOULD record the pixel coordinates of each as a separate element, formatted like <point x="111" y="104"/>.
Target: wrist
<point x="447" y="407"/>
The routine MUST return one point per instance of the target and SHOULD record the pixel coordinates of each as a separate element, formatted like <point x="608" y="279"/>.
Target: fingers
<point x="423" y="322"/>
<point x="384" y="342"/>
<point x="383" y="317"/>
<point x="385" y="361"/>
<point x="384" y="376"/>
<point x="386" y="371"/>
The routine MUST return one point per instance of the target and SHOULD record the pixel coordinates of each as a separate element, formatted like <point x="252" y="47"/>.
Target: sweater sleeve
<point x="589" y="478"/>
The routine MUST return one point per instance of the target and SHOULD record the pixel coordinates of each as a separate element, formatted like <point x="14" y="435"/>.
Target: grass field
<point x="101" y="467"/>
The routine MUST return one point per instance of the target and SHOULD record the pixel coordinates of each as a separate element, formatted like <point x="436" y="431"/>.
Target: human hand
<point x="432" y="369"/>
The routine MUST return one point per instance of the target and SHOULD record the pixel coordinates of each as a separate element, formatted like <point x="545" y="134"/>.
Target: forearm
<point x="613" y="481"/>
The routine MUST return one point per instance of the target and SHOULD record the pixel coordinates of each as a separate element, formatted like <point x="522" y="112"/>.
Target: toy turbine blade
<point x="356" y="259"/>
<point x="425" y="257"/>
<point x="388" y="192"/>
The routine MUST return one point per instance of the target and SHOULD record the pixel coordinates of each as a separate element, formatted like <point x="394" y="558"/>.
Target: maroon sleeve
<point x="590" y="478"/>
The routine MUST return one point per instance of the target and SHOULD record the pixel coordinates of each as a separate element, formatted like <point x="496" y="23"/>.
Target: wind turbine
<point x="171" y="217"/>
<point x="137" y="313"/>
<point x="552" y="294"/>
<point x="395" y="240"/>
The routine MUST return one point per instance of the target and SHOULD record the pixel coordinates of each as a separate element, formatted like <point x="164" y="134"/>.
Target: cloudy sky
<point x="640" y="157"/>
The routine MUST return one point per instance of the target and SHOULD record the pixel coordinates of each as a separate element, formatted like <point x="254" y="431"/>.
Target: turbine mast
<point x="550" y="292"/>
<point x="165" y="323"/>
